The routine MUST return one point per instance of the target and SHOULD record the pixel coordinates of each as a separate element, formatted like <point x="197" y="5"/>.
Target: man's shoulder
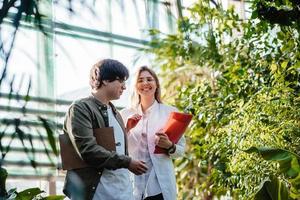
<point x="83" y="100"/>
<point x="82" y="103"/>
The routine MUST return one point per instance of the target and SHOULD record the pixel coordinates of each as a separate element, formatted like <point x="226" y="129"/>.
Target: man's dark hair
<point x="107" y="70"/>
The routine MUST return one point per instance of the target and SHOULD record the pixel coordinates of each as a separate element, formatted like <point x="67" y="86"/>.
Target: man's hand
<point x="162" y="140"/>
<point x="137" y="167"/>
<point x="132" y="121"/>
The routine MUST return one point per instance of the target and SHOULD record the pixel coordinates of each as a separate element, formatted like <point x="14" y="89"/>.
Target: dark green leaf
<point x="50" y="135"/>
<point x="273" y="189"/>
<point x="29" y="194"/>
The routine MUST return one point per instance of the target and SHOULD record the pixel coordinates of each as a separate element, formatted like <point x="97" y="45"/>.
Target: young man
<point x="105" y="175"/>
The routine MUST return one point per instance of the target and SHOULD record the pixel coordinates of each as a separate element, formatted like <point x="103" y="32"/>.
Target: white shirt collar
<point x="148" y="111"/>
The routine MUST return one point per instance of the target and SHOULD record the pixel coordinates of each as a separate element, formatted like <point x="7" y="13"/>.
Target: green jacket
<point x="83" y="116"/>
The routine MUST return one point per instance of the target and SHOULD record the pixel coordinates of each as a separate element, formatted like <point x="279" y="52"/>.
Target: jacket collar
<point x="103" y="106"/>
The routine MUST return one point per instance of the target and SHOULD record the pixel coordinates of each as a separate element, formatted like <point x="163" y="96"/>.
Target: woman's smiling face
<point x="146" y="84"/>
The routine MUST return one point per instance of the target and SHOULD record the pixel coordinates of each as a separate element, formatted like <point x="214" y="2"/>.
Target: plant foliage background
<point x="28" y="11"/>
<point x="240" y="79"/>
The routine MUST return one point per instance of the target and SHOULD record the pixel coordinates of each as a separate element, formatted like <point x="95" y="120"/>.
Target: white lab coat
<point x="162" y="163"/>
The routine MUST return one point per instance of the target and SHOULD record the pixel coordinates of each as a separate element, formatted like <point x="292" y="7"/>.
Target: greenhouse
<point x="232" y="67"/>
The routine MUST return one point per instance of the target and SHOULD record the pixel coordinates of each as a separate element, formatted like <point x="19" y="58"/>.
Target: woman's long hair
<point x="135" y="97"/>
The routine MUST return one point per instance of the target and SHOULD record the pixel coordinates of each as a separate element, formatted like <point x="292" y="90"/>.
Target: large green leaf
<point x="289" y="166"/>
<point x="273" y="189"/>
<point x="288" y="161"/>
<point x="29" y="194"/>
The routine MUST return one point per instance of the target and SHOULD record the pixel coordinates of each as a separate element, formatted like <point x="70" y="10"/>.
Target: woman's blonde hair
<point x="135" y="97"/>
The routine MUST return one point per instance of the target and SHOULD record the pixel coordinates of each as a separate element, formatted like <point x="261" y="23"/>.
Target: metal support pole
<point x="52" y="185"/>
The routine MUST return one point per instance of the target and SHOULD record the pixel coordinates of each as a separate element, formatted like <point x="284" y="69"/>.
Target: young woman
<point x="145" y="119"/>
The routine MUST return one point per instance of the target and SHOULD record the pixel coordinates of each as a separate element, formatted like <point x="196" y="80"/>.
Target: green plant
<point x="241" y="80"/>
<point x="31" y="194"/>
<point x="29" y="11"/>
<point x="277" y="188"/>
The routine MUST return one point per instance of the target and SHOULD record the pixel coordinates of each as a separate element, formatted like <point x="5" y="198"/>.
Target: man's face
<point x="115" y="88"/>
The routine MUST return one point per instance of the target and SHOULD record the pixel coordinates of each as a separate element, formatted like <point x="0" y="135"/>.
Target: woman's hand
<point x="162" y="140"/>
<point x="132" y="121"/>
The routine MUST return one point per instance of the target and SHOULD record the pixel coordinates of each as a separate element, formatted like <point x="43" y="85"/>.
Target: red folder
<point x="174" y="128"/>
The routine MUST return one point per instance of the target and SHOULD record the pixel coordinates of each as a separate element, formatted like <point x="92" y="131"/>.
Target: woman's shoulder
<point x="169" y="108"/>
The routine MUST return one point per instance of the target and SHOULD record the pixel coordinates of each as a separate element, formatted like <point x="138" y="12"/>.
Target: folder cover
<point x="70" y="158"/>
<point x="174" y="128"/>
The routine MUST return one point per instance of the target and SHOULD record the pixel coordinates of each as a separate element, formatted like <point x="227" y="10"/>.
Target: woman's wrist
<point x="172" y="148"/>
<point x="171" y="145"/>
